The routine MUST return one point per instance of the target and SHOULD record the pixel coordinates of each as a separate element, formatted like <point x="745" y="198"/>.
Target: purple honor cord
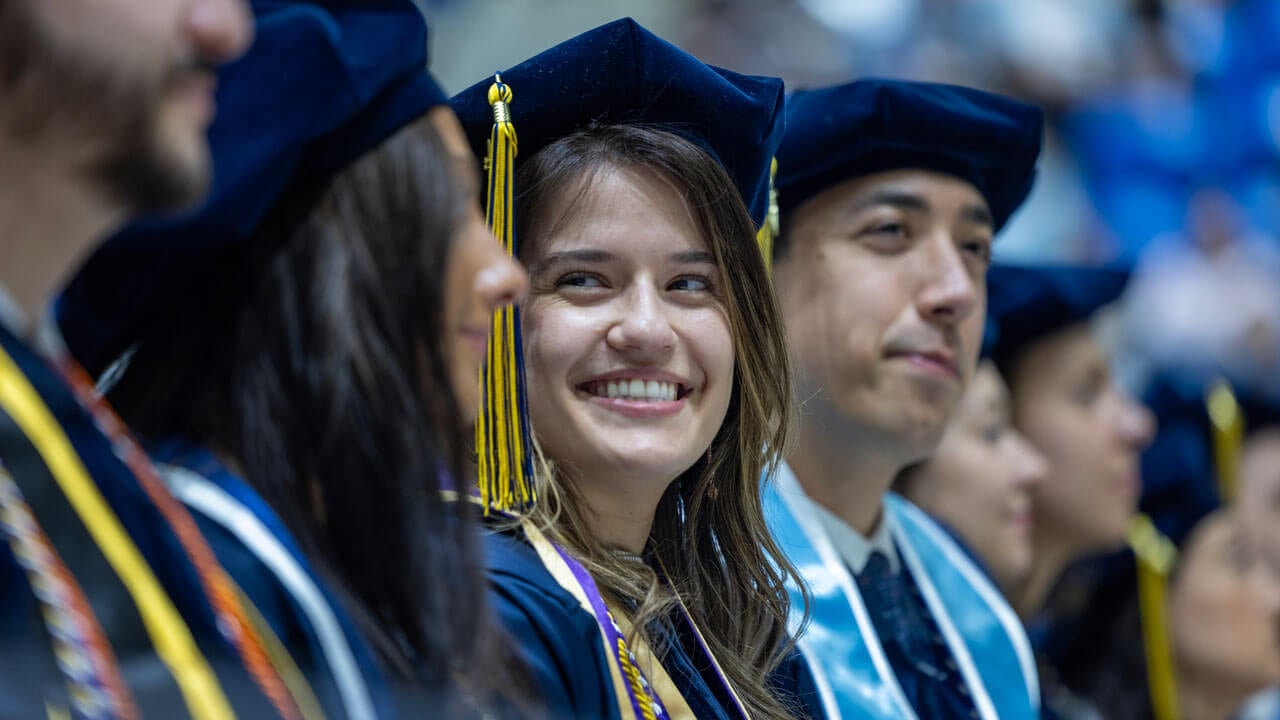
<point x="605" y="621"/>
<point x="610" y="629"/>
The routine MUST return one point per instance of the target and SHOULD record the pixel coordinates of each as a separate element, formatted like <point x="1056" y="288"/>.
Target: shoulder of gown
<point x="557" y="639"/>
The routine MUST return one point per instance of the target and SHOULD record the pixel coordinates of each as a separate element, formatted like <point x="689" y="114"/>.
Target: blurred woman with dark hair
<point x="304" y="350"/>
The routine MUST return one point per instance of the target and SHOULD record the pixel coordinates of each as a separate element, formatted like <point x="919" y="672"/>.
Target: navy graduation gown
<point x="264" y="560"/>
<point x="560" y="643"/>
<point x="556" y="639"/>
<point x="30" y="681"/>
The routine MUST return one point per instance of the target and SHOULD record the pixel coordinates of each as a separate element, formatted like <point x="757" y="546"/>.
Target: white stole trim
<point x="202" y="495"/>
<point x="794" y="499"/>
<point x="994" y="599"/>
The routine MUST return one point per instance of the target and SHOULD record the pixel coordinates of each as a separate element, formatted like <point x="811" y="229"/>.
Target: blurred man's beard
<point x="57" y="94"/>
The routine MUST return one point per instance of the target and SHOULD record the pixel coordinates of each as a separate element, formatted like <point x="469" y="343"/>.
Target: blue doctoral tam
<point x="835" y="134"/>
<point x="324" y="83"/>
<point x="1026" y="303"/>
<point x="620" y="73"/>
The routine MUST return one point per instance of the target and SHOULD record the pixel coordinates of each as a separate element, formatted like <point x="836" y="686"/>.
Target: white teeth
<point x="636" y="390"/>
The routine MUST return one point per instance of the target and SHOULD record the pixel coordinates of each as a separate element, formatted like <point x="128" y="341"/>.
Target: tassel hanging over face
<point x="503" y="448"/>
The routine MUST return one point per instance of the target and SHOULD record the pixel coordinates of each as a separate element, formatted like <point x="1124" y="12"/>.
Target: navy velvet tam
<point x="620" y="73"/>
<point x="1027" y="303"/>
<point x="839" y="133"/>
<point x="323" y="83"/>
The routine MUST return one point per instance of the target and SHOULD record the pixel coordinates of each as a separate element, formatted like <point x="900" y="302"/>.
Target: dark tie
<point x="920" y="657"/>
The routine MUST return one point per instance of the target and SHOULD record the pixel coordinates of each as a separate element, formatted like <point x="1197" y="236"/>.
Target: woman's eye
<point x="979" y="249"/>
<point x="887" y="229"/>
<point x="691" y="283"/>
<point x="1089" y="389"/>
<point x="580" y="280"/>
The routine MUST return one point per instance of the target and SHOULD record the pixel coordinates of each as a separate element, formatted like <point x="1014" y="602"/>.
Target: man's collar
<point x="855" y="548"/>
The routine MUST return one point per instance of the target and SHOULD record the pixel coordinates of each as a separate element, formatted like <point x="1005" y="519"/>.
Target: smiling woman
<point x="629" y="349"/>
<point x="643" y="579"/>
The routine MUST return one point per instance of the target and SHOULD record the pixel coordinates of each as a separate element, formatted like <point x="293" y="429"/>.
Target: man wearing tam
<point x="890" y="196"/>
<point x="110" y="603"/>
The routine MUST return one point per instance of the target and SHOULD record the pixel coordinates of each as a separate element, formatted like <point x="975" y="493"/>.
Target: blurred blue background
<point x="1161" y="155"/>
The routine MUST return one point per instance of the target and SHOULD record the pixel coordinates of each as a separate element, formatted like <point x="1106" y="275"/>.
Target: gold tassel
<point x="1155" y="555"/>
<point x="1227" y="422"/>
<point x="769" y="230"/>
<point x="503" y="448"/>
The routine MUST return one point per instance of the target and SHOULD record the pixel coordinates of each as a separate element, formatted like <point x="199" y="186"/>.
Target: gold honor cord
<point x="503" y="450"/>
<point x="768" y="232"/>
<point x="168" y="632"/>
<point x="290" y="674"/>
<point x="1155" y="557"/>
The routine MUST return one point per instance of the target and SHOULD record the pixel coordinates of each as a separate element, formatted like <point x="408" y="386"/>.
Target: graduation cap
<point x="323" y="83"/>
<point x="616" y="74"/>
<point x="620" y="73"/>
<point x="1026" y="303"/>
<point x="847" y="131"/>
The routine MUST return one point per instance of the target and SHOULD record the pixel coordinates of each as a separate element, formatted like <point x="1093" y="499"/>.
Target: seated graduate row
<point x="299" y="356"/>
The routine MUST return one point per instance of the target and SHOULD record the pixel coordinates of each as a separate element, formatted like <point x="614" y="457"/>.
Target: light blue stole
<point x="850" y="670"/>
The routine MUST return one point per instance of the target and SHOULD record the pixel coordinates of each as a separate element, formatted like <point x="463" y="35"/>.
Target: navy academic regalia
<point x="918" y="630"/>
<point x="112" y="604"/>
<point x="256" y="549"/>
<point x="618" y="73"/>
<point x="323" y="84"/>
<point x="559" y="642"/>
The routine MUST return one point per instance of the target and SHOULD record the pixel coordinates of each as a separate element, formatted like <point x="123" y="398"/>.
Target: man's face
<point x="121" y="88"/>
<point x="883" y="290"/>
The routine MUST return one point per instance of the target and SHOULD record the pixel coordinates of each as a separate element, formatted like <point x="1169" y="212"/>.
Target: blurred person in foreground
<point x="111" y="604"/>
<point x="301" y="353"/>
<point x="890" y="195"/>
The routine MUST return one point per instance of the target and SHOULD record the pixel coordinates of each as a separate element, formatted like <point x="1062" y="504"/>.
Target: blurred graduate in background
<point x="1189" y="629"/>
<point x="980" y="481"/>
